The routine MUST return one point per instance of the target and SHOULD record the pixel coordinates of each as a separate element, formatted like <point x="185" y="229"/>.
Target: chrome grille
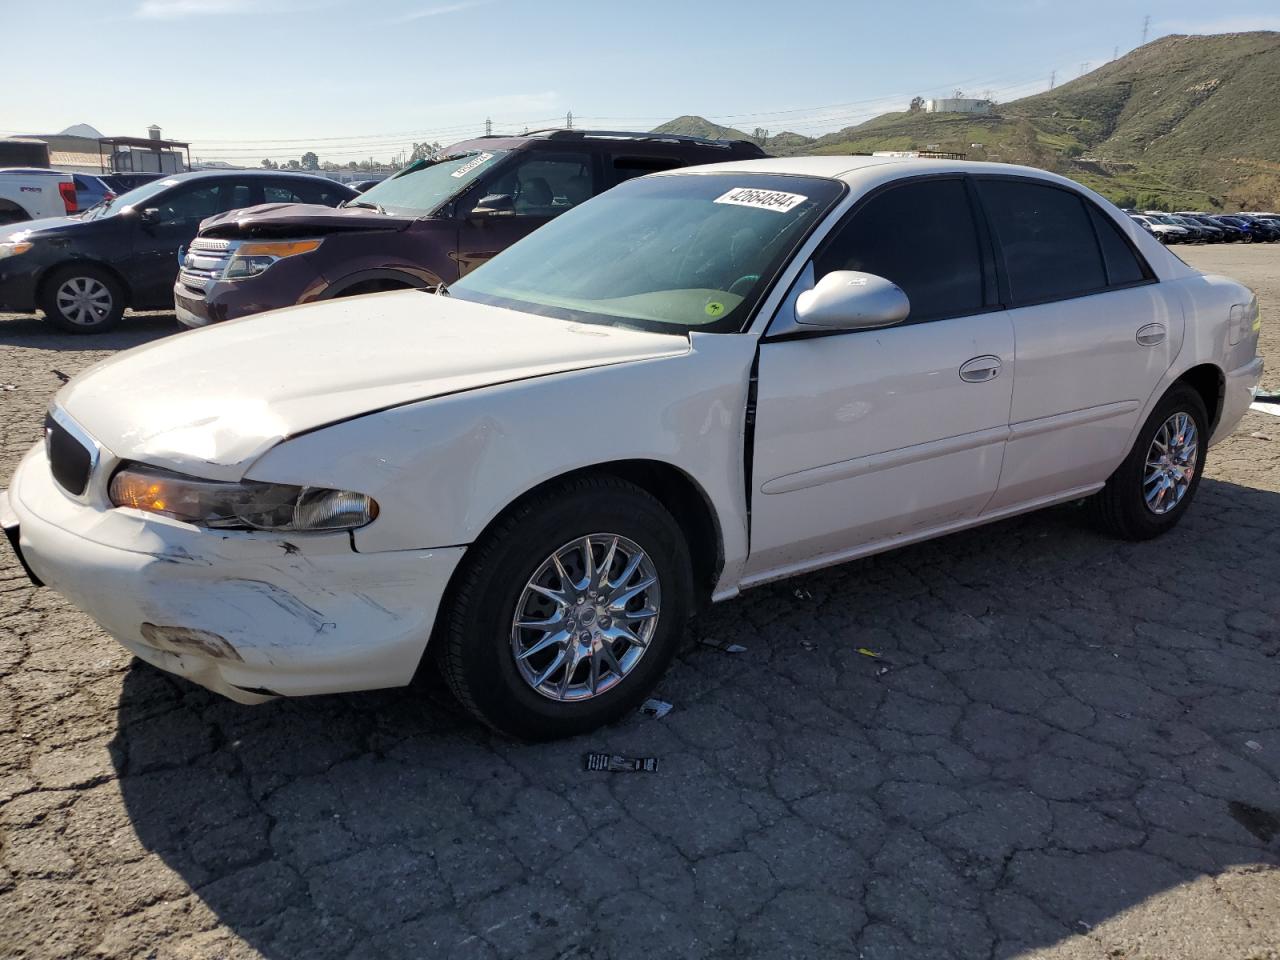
<point x="204" y="262"/>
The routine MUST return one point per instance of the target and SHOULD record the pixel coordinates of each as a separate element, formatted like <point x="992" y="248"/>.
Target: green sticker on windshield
<point x="714" y="308"/>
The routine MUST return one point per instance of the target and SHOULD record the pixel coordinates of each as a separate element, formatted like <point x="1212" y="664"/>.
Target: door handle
<point x="980" y="369"/>
<point x="1151" y="334"/>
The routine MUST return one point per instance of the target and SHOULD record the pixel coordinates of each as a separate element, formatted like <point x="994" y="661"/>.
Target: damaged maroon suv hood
<point x="298" y="219"/>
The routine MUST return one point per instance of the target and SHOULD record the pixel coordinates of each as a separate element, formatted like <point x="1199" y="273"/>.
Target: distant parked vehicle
<point x="431" y="223"/>
<point x="31" y="193"/>
<point x="1234" y="234"/>
<point x="90" y="190"/>
<point x="1215" y="232"/>
<point x="1254" y="231"/>
<point x="1196" y="233"/>
<point x="1262" y="228"/>
<point x="1164" y="232"/>
<point x="83" y="271"/>
<point x="360" y="186"/>
<point x="124" y="182"/>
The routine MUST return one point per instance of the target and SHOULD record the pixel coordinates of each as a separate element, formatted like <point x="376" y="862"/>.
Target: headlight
<point x="11" y="248"/>
<point x="252" y="259"/>
<point x="247" y="505"/>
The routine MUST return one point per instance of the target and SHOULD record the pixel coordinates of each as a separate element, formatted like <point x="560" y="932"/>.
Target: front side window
<point x="622" y="168"/>
<point x="673" y="253"/>
<point x="192" y="203"/>
<point x="424" y="186"/>
<point x="1049" y="248"/>
<point x="544" y="184"/>
<point x="920" y="235"/>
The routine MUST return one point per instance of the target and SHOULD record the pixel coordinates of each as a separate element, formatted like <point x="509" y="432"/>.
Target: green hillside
<point x="1179" y="122"/>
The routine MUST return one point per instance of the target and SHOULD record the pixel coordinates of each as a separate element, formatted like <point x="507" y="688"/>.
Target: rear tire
<point x="516" y="573"/>
<point x="1152" y="489"/>
<point x="82" y="299"/>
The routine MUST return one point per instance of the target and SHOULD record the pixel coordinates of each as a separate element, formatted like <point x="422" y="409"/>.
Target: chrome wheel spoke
<point x="1170" y="465"/>
<point x="572" y="634"/>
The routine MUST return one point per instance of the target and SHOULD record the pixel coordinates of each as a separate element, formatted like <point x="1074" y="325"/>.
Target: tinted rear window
<point x="1124" y="266"/>
<point x="1050" y="251"/>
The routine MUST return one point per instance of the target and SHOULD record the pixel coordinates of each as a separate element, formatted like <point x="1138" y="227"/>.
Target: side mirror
<point x="149" y="215"/>
<point x="851" y="300"/>
<point x="495" y="205"/>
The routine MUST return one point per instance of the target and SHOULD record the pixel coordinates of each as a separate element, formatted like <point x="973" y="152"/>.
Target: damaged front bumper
<point x="249" y="615"/>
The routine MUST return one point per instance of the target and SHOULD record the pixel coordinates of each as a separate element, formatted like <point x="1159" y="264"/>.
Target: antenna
<point x="1146" y="25"/>
<point x="1083" y="67"/>
<point x="488" y="127"/>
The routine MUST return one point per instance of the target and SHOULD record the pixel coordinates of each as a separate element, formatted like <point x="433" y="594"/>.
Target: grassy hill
<point x="1179" y="122"/>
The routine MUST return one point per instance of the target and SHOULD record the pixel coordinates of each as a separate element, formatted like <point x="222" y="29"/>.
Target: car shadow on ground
<point x="134" y="329"/>
<point x="972" y="748"/>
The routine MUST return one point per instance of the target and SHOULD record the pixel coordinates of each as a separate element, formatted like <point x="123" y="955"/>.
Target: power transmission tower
<point x="1146" y="25"/>
<point x="488" y="127"/>
<point x="1115" y="54"/>
<point x="1083" y="67"/>
<point x="568" y="120"/>
<point x="1053" y="79"/>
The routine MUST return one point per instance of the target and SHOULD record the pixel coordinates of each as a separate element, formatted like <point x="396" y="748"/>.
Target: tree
<point x="917" y="104"/>
<point x="270" y="165"/>
<point x="760" y="135"/>
<point x="423" y="150"/>
<point x="293" y="165"/>
<point x="310" y="161"/>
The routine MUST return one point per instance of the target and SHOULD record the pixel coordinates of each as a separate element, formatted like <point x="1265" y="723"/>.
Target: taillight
<point x="68" y="191"/>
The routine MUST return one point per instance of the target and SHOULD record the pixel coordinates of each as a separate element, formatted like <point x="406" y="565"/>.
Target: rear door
<point x="864" y="437"/>
<point x="1095" y="333"/>
<point x="540" y="185"/>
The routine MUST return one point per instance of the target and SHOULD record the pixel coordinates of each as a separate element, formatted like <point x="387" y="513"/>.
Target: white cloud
<point x="182" y="9"/>
<point x="1238" y="24"/>
<point x="441" y="9"/>
<point x="179" y="9"/>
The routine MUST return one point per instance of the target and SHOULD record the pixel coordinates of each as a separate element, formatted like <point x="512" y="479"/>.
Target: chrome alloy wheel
<point x="586" y="617"/>
<point x="1171" y="463"/>
<point x="84" y="301"/>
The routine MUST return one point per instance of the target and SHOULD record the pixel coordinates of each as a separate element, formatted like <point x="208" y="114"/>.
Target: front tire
<point x="82" y="299"/>
<point x="1152" y="489"/>
<point x="568" y="611"/>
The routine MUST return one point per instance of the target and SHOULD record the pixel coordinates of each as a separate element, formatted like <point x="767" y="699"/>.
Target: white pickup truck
<point x="30" y="193"/>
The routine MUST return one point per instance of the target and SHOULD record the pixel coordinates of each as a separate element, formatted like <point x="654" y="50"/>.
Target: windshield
<point x="422" y="187"/>
<point x="672" y="252"/>
<point x="131" y="198"/>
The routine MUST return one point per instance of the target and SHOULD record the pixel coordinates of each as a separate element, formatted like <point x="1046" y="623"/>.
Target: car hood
<point x="298" y="219"/>
<point x="209" y="402"/>
<point x="27" y="228"/>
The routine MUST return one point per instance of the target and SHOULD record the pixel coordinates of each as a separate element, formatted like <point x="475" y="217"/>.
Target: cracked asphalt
<point x="1069" y="747"/>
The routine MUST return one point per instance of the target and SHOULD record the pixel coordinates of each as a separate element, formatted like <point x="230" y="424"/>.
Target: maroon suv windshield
<point x="423" y="187"/>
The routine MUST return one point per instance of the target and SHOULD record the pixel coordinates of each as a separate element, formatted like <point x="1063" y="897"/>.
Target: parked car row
<point x="697" y="382"/>
<point x="268" y="239"/>
<point x="1197" y="227"/>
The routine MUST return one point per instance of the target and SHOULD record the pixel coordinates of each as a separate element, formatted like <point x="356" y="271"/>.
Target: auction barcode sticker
<point x="471" y="164"/>
<point x="764" y="199"/>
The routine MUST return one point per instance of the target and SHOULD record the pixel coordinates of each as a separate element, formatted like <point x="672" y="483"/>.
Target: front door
<point x="536" y="187"/>
<point x="171" y="226"/>
<point x="1094" y="335"/>
<point x="867" y="437"/>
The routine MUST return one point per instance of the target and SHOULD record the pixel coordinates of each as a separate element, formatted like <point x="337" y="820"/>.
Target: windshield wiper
<point x="371" y="204"/>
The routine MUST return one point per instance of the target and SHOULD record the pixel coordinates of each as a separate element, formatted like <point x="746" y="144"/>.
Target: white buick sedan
<point x="698" y="382"/>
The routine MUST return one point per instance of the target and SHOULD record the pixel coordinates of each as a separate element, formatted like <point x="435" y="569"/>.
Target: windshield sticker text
<point x="471" y="164"/>
<point x="763" y="199"/>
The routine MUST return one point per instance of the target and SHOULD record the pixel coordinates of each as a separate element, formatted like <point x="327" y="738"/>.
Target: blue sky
<point x="246" y="79"/>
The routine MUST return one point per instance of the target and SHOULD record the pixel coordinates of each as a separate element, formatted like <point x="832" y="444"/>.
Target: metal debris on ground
<point x="655" y="708"/>
<point x="1253" y="745"/>
<point x="800" y="593"/>
<point x="616" y="763"/>
<point x="724" y="646"/>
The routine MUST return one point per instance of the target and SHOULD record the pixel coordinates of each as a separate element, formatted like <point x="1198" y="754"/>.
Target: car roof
<point x="857" y="169"/>
<point x="213" y="174"/>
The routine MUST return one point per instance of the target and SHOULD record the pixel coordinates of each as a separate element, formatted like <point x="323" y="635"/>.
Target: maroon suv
<point x="432" y="222"/>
